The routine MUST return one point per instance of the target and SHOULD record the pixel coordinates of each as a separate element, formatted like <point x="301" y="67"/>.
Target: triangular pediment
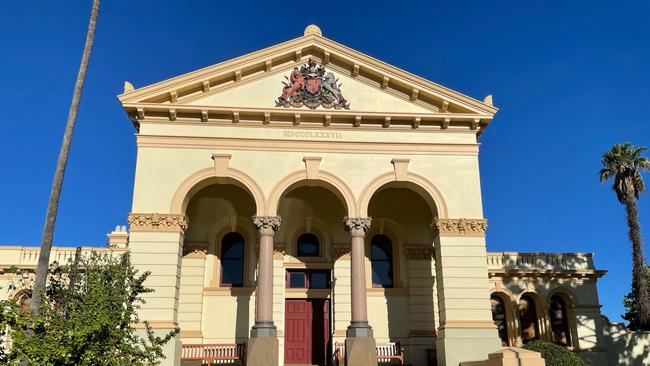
<point x="251" y="84"/>
<point x="264" y="92"/>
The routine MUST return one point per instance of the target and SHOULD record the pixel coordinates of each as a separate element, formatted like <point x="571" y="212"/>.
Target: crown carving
<point x="459" y="227"/>
<point x="157" y="222"/>
<point x="356" y="225"/>
<point x="267" y="225"/>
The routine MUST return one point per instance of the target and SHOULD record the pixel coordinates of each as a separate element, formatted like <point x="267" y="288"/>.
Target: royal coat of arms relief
<point x="312" y="86"/>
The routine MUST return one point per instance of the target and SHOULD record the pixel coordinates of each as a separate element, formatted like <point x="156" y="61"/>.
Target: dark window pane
<point x="381" y="259"/>
<point x="232" y="246"/>
<point x="232" y="272"/>
<point x="382" y="273"/>
<point x="319" y="280"/>
<point x="232" y="260"/>
<point x="308" y="245"/>
<point x="297" y="280"/>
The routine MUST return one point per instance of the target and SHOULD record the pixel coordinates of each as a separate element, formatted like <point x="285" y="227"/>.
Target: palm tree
<point x="53" y="204"/>
<point x="625" y="164"/>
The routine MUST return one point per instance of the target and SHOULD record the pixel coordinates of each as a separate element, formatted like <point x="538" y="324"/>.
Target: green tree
<point x="625" y="163"/>
<point x="87" y="317"/>
<point x="62" y="161"/>
<point x="632" y="314"/>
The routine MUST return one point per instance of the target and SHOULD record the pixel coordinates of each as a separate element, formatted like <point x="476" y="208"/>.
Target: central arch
<point x="326" y="180"/>
<point x="414" y="182"/>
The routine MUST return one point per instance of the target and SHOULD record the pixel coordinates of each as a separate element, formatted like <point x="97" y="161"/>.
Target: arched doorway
<point x="311" y="221"/>
<point x="528" y="319"/>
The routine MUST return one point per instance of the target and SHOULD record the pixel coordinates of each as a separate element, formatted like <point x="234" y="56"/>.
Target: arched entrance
<point x="311" y="216"/>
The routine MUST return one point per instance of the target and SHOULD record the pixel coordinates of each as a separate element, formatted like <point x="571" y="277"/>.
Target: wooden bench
<point x="214" y="353"/>
<point x="386" y="352"/>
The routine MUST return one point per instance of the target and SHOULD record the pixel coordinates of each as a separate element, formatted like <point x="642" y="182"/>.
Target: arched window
<point x="500" y="318"/>
<point x="232" y="260"/>
<point x="560" y="321"/>
<point x="308" y="245"/>
<point x="381" y="260"/>
<point x="528" y="319"/>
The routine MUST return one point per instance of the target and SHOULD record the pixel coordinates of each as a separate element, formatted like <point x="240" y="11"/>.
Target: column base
<point x="359" y="328"/>
<point x="264" y="329"/>
<point x="360" y="351"/>
<point x="262" y="351"/>
<point x="456" y="345"/>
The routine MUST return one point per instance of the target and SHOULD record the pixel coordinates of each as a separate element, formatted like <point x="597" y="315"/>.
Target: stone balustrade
<point x="27" y="257"/>
<point x="513" y="261"/>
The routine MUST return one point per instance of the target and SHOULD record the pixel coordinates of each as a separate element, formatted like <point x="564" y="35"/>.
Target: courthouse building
<point x="313" y="204"/>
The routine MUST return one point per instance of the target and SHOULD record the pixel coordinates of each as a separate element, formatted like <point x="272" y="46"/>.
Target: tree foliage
<point x="630" y="303"/>
<point x="87" y="317"/>
<point x="625" y="163"/>
<point x="555" y="355"/>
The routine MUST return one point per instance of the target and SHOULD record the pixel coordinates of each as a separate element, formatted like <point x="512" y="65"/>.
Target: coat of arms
<point x="312" y="86"/>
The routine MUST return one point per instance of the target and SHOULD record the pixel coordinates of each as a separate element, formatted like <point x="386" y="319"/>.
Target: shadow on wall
<point x="243" y="316"/>
<point x="625" y="347"/>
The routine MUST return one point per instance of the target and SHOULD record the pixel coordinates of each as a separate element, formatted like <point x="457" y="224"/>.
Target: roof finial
<point x="488" y="100"/>
<point x="313" y="29"/>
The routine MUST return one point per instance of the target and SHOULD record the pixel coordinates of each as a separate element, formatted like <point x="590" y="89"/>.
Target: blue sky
<point x="570" y="77"/>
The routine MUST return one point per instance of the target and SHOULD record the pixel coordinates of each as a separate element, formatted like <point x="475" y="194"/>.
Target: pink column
<point x="359" y="326"/>
<point x="264" y="327"/>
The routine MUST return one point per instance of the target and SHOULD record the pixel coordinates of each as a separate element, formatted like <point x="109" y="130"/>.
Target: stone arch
<point x="427" y="190"/>
<point x="570" y="301"/>
<point x="540" y="303"/>
<point x="203" y="178"/>
<point x="326" y="180"/>
<point x="512" y="319"/>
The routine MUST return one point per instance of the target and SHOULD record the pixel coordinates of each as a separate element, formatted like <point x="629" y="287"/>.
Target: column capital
<point x="356" y="226"/>
<point x="267" y="225"/>
<point x="459" y="227"/>
<point x="157" y="222"/>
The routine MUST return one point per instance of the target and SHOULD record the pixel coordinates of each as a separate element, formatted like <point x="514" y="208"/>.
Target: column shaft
<point x="264" y="326"/>
<point x="359" y="326"/>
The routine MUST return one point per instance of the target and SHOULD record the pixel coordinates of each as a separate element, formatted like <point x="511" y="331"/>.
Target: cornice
<point x="157" y="222"/>
<point x="287" y="117"/>
<point x="459" y="227"/>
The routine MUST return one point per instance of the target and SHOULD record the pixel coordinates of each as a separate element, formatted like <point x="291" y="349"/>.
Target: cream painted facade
<point x="216" y="156"/>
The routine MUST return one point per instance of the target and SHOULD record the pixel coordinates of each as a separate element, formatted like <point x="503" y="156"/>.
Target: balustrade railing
<point x="540" y="261"/>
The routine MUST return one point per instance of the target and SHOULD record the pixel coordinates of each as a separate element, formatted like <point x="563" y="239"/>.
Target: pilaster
<point x="156" y="245"/>
<point x="466" y="332"/>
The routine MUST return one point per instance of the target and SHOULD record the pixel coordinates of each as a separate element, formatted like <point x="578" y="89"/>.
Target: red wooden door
<point x="297" y="337"/>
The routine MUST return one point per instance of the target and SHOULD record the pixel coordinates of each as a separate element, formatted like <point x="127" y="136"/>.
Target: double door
<point x="307" y="331"/>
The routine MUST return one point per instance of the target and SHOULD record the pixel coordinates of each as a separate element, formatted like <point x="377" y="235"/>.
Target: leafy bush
<point x="87" y="317"/>
<point x="555" y="355"/>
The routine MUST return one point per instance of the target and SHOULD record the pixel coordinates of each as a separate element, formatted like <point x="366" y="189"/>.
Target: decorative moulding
<point x="157" y="222"/>
<point x="417" y="252"/>
<point x="459" y="227"/>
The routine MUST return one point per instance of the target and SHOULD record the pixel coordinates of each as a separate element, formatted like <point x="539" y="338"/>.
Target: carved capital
<point x="267" y="225"/>
<point x="356" y="226"/>
<point x="157" y="222"/>
<point x="459" y="227"/>
<point x="417" y="252"/>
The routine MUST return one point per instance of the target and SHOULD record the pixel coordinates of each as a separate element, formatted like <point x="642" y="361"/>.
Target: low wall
<point x="625" y="347"/>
